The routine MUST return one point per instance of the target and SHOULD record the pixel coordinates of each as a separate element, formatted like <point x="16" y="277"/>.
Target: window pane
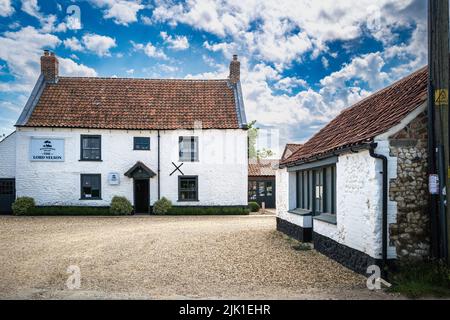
<point x="319" y="190"/>
<point x="90" y="186"/>
<point x="187" y="188"/>
<point x="141" y="143"/>
<point x="90" y="148"/>
<point x="188" y="148"/>
<point x="261" y="189"/>
<point x="269" y="188"/>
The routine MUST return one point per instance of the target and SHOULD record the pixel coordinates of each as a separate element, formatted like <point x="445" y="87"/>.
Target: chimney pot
<point x="49" y="67"/>
<point x="235" y="70"/>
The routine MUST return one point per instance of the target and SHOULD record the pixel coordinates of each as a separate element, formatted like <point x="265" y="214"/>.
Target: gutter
<point x="353" y="149"/>
<point x="384" y="200"/>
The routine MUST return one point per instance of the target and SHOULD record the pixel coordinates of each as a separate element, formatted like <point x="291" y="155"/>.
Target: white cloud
<point x="287" y="84"/>
<point x="367" y="68"/>
<point x="68" y="67"/>
<point x="48" y="23"/>
<point x="282" y="32"/>
<point x="121" y="11"/>
<point x="73" y="44"/>
<point x="6" y="9"/>
<point x="129" y="71"/>
<point x="146" y="20"/>
<point x="175" y="43"/>
<point x="150" y="50"/>
<point x="98" y="44"/>
<point x="167" y="68"/>
<point x="325" y="62"/>
<point x="32" y="8"/>
<point x="227" y="49"/>
<point x="21" y="50"/>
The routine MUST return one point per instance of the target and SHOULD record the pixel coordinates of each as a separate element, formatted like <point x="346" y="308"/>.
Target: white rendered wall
<point x="221" y="171"/>
<point x="286" y="199"/>
<point x="359" y="204"/>
<point x="8" y="156"/>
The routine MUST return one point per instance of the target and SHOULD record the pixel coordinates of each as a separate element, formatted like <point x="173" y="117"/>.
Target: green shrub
<point x="162" y="206"/>
<point x="204" y="211"/>
<point x="22" y="205"/>
<point x="120" y="206"/>
<point x="69" y="211"/>
<point x="254" y="206"/>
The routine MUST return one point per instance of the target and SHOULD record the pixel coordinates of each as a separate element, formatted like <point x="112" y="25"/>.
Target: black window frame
<point x="135" y="143"/>
<point x="180" y="178"/>
<point x="82" y="194"/>
<point x="194" y="156"/>
<point x="87" y="136"/>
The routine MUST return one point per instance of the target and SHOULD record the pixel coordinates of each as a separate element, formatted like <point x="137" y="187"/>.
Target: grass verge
<point x="422" y="279"/>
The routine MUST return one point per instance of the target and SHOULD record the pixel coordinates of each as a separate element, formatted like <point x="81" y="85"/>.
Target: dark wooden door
<point x="7" y="195"/>
<point x="141" y="195"/>
<point x="262" y="190"/>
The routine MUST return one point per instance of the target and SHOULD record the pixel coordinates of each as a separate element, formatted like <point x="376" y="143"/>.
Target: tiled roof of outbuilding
<point x="121" y="103"/>
<point x="262" y="167"/>
<point x="366" y="119"/>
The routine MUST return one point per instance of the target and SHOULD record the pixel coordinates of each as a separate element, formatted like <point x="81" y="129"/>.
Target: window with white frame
<point x="188" y="148"/>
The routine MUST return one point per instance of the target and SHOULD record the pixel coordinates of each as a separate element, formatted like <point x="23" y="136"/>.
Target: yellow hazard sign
<point x="441" y="97"/>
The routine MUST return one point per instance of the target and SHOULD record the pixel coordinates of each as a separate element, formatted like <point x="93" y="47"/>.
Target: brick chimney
<point x="49" y="67"/>
<point x="235" y="70"/>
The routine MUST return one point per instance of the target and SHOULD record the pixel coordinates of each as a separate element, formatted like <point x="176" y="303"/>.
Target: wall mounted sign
<point x="113" y="178"/>
<point x="441" y="97"/>
<point x="433" y="184"/>
<point x="47" y="149"/>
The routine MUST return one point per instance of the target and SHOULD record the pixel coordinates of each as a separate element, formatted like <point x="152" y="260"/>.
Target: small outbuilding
<point x="358" y="188"/>
<point x="261" y="181"/>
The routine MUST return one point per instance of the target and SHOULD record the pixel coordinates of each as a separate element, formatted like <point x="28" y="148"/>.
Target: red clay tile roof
<point x="110" y="103"/>
<point x="262" y="167"/>
<point x="367" y="119"/>
<point x="289" y="149"/>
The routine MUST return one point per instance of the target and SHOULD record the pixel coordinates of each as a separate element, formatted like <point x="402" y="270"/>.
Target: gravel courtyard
<point x="166" y="258"/>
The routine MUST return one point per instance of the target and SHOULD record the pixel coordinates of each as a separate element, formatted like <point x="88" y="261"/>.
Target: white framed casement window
<point x="188" y="148"/>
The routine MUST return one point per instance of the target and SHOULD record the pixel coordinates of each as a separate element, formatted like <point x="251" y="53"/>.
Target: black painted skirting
<point x="351" y="258"/>
<point x="294" y="231"/>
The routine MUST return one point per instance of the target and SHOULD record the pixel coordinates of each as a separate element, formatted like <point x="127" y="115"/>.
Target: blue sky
<point x="302" y="62"/>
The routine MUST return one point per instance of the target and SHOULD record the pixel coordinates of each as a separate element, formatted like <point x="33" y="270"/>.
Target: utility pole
<point x="438" y="68"/>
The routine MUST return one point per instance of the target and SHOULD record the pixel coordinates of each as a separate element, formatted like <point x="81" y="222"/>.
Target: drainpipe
<point x="159" y="176"/>
<point x="385" y="201"/>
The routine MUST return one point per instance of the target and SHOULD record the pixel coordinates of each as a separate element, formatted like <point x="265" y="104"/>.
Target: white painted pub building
<point x="81" y="141"/>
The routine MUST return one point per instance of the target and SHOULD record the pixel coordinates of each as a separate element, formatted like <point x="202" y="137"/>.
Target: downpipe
<point x="384" y="205"/>
<point x="159" y="164"/>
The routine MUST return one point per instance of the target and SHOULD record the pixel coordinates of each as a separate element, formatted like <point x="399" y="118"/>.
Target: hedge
<point x="105" y="211"/>
<point x="254" y="206"/>
<point x="68" y="211"/>
<point x="203" y="211"/>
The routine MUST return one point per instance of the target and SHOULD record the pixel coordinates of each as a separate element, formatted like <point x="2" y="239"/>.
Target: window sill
<point x="141" y="149"/>
<point x="188" y="200"/>
<point x="85" y="160"/>
<point x="91" y="199"/>
<point x="301" y="212"/>
<point x="326" y="217"/>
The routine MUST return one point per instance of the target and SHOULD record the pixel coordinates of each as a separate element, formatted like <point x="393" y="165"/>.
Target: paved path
<point x="166" y="258"/>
